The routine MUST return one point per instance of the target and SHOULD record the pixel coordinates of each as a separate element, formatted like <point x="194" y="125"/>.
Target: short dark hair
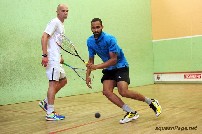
<point x="97" y="19"/>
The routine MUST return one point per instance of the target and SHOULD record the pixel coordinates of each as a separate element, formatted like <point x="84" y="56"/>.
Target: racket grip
<point x="87" y="63"/>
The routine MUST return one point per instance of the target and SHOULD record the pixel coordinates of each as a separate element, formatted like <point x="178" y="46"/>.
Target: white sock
<point x="148" y="101"/>
<point x="127" y="108"/>
<point x="50" y="109"/>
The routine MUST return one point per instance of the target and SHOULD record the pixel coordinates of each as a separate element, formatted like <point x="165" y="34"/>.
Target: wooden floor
<point x="181" y="103"/>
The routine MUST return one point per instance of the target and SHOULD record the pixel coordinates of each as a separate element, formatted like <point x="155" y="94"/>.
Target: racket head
<point x="66" y="44"/>
<point x="80" y="72"/>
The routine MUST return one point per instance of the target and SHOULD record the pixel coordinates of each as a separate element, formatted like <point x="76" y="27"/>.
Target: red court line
<point x="85" y="124"/>
<point x="99" y="120"/>
<point x="81" y="125"/>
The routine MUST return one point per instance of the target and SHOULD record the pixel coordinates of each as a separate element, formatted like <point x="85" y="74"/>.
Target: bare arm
<point x="90" y="66"/>
<point x="44" y="41"/>
<point x="88" y="72"/>
<point x="112" y="61"/>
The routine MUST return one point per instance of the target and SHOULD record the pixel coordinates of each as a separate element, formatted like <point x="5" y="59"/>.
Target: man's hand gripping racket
<point x="90" y="67"/>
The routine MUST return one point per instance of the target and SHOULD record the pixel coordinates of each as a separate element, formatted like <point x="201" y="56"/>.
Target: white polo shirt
<point x="54" y="28"/>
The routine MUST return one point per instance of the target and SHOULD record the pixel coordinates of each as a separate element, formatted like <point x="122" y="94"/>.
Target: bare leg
<point x="61" y="84"/>
<point x="124" y="92"/>
<point x="52" y="91"/>
<point x="108" y="86"/>
<point x="54" y="87"/>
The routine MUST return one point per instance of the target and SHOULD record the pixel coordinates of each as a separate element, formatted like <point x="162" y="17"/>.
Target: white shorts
<point x="55" y="71"/>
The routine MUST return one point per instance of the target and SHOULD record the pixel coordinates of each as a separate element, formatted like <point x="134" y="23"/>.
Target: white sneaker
<point x="129" y="117"/>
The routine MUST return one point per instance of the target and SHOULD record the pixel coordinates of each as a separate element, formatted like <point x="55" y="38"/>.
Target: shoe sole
<point x="51" y="119"/>
<point x="157" y="115"/>
<point x="134" y="118"/>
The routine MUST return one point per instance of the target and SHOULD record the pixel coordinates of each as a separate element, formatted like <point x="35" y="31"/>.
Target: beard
<point x="97" y="34"/>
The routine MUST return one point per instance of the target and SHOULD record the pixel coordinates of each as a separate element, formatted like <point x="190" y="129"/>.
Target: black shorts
<point x="119" y="74"/>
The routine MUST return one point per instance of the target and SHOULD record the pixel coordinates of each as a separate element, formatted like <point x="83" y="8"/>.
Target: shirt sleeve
<point x="91" y="52"/>
<point x="113" y="47"/>
<point x="51" y="27"/>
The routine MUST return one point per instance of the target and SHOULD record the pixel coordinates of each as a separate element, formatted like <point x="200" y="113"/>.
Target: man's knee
<point x="63" y="81"/>
<point x="107" y="93"/>
<point x="123" y="93"/>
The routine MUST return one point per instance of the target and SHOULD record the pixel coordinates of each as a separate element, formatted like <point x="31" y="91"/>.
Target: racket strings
<point x="68" y="46"/>
<point x="81" y="73"/>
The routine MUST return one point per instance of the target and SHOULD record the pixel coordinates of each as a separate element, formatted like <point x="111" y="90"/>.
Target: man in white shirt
<point x="52" y="59"/>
